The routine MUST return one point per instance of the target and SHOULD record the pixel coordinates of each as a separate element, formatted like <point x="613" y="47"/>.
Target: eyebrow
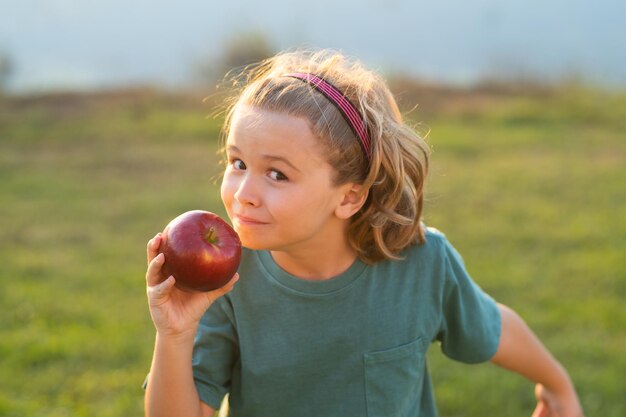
<point x="271" y="158"/>
<point x="280" y="159"/>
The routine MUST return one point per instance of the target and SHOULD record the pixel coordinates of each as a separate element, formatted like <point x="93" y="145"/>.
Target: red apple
<point x="201" y="251"/>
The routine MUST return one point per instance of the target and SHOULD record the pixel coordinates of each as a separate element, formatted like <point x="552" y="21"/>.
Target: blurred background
<point x="64" y="44"/>
<point x="110" y="116"/>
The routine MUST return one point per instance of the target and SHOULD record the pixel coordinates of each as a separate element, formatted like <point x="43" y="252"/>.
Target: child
<point x="343" y="289"/>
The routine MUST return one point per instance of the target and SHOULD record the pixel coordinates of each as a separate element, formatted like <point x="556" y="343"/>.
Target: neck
<point x="316" y="263"/>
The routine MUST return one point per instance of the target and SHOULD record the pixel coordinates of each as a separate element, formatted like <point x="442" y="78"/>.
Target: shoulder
<point x="426" y="261"/>
<point x="435" y="257"/>
<point x="435" y="237"/>
<point x="435" y="246"/>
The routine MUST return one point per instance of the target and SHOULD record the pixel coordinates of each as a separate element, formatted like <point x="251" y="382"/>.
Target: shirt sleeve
<point x="470" y="325"/>
<point x="215" y="353"/>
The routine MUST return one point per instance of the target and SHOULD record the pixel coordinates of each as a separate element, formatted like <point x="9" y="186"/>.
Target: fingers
<point x="229" y="285"/>
<point x="541" y="410"/>
<point x="153" y="274"/>
<point x="153" y="247"/>
<point x="160" y="292"/>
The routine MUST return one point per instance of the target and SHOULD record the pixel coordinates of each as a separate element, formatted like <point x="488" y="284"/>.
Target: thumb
<point x="215" y="294"/>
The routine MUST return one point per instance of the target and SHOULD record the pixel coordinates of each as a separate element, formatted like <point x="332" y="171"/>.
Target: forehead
<point x="261" y="130"/>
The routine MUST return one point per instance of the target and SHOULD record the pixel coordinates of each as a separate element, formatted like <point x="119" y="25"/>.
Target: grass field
<point x="530" y="187"/>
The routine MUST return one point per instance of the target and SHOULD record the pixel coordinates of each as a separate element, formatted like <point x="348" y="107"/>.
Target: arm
<point x="171" y="390"/>
<point x="522" y="352"/>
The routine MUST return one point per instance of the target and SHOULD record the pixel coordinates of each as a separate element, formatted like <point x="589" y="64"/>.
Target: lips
<point x="249" y="221"/>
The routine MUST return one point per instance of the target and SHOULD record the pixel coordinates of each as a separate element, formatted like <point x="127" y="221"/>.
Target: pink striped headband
<point x="347" y="110"/>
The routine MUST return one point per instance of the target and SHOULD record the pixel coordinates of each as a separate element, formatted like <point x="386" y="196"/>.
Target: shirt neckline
<point x="313" y="287"/>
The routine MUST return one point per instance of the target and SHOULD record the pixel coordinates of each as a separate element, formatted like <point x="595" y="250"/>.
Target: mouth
<point x="248" y="221"/>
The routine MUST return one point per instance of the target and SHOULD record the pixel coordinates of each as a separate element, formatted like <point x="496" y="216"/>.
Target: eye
<point x="277" y="175"/>
<point x="238" y="164"/>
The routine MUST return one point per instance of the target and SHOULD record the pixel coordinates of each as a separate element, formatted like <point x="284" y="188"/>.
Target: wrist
<point x="560" y="383"/>
<point x="176" y="338"/>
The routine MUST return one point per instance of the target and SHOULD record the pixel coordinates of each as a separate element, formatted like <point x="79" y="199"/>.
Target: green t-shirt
<point x="354" y="345"/>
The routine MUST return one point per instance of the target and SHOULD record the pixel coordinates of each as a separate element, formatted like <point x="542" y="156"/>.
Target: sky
<point x="74" y="44"/>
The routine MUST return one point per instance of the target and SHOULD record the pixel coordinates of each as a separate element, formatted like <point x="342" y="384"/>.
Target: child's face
<point x="277" y="187"/>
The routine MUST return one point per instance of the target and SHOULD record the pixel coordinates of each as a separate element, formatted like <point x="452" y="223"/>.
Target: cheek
<point x="227" y="190"/>
<point x="299" y="207"/>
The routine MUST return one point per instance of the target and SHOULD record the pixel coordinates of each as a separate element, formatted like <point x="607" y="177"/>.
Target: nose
<point x="246" y="192"/>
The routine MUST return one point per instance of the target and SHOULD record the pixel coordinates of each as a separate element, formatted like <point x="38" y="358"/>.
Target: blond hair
<point x="389" y="221"/>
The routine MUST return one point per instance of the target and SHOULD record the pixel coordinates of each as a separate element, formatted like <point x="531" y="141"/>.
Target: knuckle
<point x="155" y="290"/>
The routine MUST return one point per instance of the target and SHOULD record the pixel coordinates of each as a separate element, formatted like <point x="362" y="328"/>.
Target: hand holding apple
<point x="201" y="251"/>
<point x="175" y="312"/>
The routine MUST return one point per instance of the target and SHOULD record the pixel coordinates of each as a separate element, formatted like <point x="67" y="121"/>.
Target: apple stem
<point x="211" y="235"/>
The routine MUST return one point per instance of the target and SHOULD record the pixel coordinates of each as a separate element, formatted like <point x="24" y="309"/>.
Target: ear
<point x="354" y="197"/>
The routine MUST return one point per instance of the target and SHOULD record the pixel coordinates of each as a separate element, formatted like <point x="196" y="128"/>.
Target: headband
<point x="339" y="100"/>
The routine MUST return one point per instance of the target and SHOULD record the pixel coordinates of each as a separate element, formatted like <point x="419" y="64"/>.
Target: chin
<point x="254" y="244"/>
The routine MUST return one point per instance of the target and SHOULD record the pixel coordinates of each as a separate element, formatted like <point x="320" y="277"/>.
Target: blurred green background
<point x="105" y="136"/>
<point x="527" y="183"/>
